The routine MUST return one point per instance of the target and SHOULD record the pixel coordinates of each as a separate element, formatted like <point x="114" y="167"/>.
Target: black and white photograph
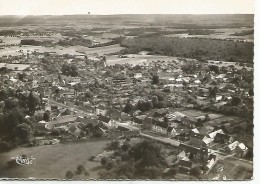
<point x="127" y="90"/>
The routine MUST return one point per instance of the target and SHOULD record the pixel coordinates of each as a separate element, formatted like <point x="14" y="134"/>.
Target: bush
<point x="69" y="175"/>
<point x="56" y="132"/>
<point x="196" y="171"/>
<point x="80" y="169"/>
<point x="114" y="145"/>
<point x="91" y="158"/>
<point x="125" y="147"/>
<point x="97" y="134"/>
<point x="110" y="164"/>
<point x="103" y="161"/>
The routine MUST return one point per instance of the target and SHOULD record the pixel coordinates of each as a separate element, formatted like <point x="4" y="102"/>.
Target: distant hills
<point x="175" y="20"/>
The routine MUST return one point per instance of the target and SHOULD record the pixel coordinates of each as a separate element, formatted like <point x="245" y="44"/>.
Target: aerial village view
<point x="127" y="97"/>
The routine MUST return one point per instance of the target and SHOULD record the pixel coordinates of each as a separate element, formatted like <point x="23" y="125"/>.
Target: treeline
<point x="8" y="32"/>
<point x="152" y="31"/>
<point x="198" y="48"/>
<point x="75" y="41"/>
<point x="205" y="26"/>
<point x="35" y="42"/>
<point x="243" y="33"/>
<point x="135" y="31"/>
<point x="200" y="31"/>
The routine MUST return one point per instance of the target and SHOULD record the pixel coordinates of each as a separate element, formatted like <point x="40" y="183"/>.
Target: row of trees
<point x="210" y="49"/>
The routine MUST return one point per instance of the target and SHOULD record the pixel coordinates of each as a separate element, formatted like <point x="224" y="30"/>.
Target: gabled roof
<point x="207" y="140"/>
<point x="233" y="145"/>
<point x="64" y="119"/>
<point x="213" y="134"/>
<point x="212" y="156"/>
<point x="169" y="129"/>
<point x="222" y="136"/>
<point x="242" y="147"/>
<point x="210" y="163"/>
<point x="195" y="130"/>
<point x="182" y="154"/>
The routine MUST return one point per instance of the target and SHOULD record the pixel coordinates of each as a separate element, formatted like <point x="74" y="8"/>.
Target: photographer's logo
<point x="23" y="160"/>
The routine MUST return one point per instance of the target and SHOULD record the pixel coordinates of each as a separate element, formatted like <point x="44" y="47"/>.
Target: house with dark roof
<point x="182" y="155"/>
<point x="101" y="110"/>
<point x="241" y="150"/>
<point x="231" y="148"/>
<point x="211" y="161"/>
<point x="171" y="131"/>
<point x="223" y="138"/>
<point x="147" y="123"/>
<point x="60" y="121"/>
<point x="197" y="154"/>
<point x="138" y="120"/>
<point x="159" y="127"/>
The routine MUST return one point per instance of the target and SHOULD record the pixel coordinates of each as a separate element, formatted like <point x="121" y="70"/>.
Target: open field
<point x="99" y="50"/>
<point x="74" y="50"/>
<point x="9" y="40"/>
<point x="136" y="59"/>
<point x="196" y="113"/>
<point x="227" y="64"/>
<point x="18" y="67"/>
<point x="16" y="40"/>
<point x="222" y="33"/>
<point x="53" y="161"/>
<point x="223" y="121"/>
<point x="193" y="113"/>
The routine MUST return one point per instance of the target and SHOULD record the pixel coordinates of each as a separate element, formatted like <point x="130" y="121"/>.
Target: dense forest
<point x="198" y="48"/>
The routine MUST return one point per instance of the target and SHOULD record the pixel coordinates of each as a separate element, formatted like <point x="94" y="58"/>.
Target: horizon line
<point x="129" y="14"/>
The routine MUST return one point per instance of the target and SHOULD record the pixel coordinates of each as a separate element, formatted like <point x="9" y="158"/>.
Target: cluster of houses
<point x="93" y="98"/>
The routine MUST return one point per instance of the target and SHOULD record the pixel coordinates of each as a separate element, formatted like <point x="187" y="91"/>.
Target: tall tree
<point x="32" y="103"/>
<point x="46" y="116"/>
<point x="23" y="131"/>
<point x="155" y="79"/>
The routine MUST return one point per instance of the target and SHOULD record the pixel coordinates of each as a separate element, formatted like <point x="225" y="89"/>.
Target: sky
<point x="104" y="7"/>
